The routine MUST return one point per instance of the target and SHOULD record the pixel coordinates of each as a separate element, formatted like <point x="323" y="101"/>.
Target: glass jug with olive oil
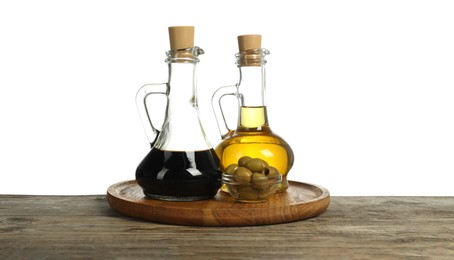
<point x="181" y="165"/>
<point x="253" y="137"/>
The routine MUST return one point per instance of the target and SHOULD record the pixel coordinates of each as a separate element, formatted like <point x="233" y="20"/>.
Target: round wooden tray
<point x="300" y="201"/>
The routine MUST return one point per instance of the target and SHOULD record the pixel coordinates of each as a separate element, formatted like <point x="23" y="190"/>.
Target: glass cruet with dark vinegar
<point x="253" y="137"/>
<point x="181" y="165"/>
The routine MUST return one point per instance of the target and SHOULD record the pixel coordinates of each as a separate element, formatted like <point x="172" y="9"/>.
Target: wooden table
<point x="85" y="227"/>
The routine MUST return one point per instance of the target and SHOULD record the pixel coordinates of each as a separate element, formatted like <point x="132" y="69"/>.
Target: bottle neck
<point x="182" y="129"/>
<point x="182" y="83"/>
<point x="251" y="86"/>
<point x="251" y="93"/>
<point x="182" y="90"/>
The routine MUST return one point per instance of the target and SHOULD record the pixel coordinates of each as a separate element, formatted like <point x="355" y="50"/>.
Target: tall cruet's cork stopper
<point x="249" y="42"/>
<point x="181" y="37"/>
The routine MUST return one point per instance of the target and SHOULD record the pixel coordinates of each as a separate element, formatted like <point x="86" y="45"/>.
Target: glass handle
<point x="141" y="98"/>
<point x="224" y="130"/>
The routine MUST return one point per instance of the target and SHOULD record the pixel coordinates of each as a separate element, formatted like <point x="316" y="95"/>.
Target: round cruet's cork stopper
<point x="249" y="41"/>
<point x="251" y="52"/>
<point x="181" y="37"/>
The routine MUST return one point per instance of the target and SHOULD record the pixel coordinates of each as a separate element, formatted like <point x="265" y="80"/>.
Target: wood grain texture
<point x="85" y="227"/>
<point x="301" y="201"/>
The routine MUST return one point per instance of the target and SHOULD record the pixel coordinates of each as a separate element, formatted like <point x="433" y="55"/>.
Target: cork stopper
<point x="181" y="37"/>
<point x="249" y="41"/>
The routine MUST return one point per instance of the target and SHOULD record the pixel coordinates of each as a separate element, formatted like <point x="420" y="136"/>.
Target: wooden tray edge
<point x="306" y="210"/>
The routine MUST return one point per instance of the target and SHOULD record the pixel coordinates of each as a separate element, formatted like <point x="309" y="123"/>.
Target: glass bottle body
<point x="253" y="136"/>
<point x="181" y="165"/>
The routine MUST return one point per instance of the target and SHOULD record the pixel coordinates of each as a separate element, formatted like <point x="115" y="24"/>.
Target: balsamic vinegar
<point x="179" y="175"/>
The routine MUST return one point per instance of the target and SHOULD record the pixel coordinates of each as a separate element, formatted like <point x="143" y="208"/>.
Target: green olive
<point x="242" y="175"/>
<point x="259" y="179"/>
<point x="256" y="165"/>
<point x="231" y="168"/>
<point x="272" y="172"/>
<point x="247" y="193"/>
<point x="265" y="193"/>
<point x="242" y="161"/>
<point x="234" y="190"/>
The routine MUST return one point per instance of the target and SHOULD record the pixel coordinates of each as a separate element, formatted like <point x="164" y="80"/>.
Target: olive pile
<point x="251" y="179"/>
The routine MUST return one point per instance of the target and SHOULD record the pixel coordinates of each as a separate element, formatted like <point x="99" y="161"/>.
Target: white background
<point x="362" y="90"/>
